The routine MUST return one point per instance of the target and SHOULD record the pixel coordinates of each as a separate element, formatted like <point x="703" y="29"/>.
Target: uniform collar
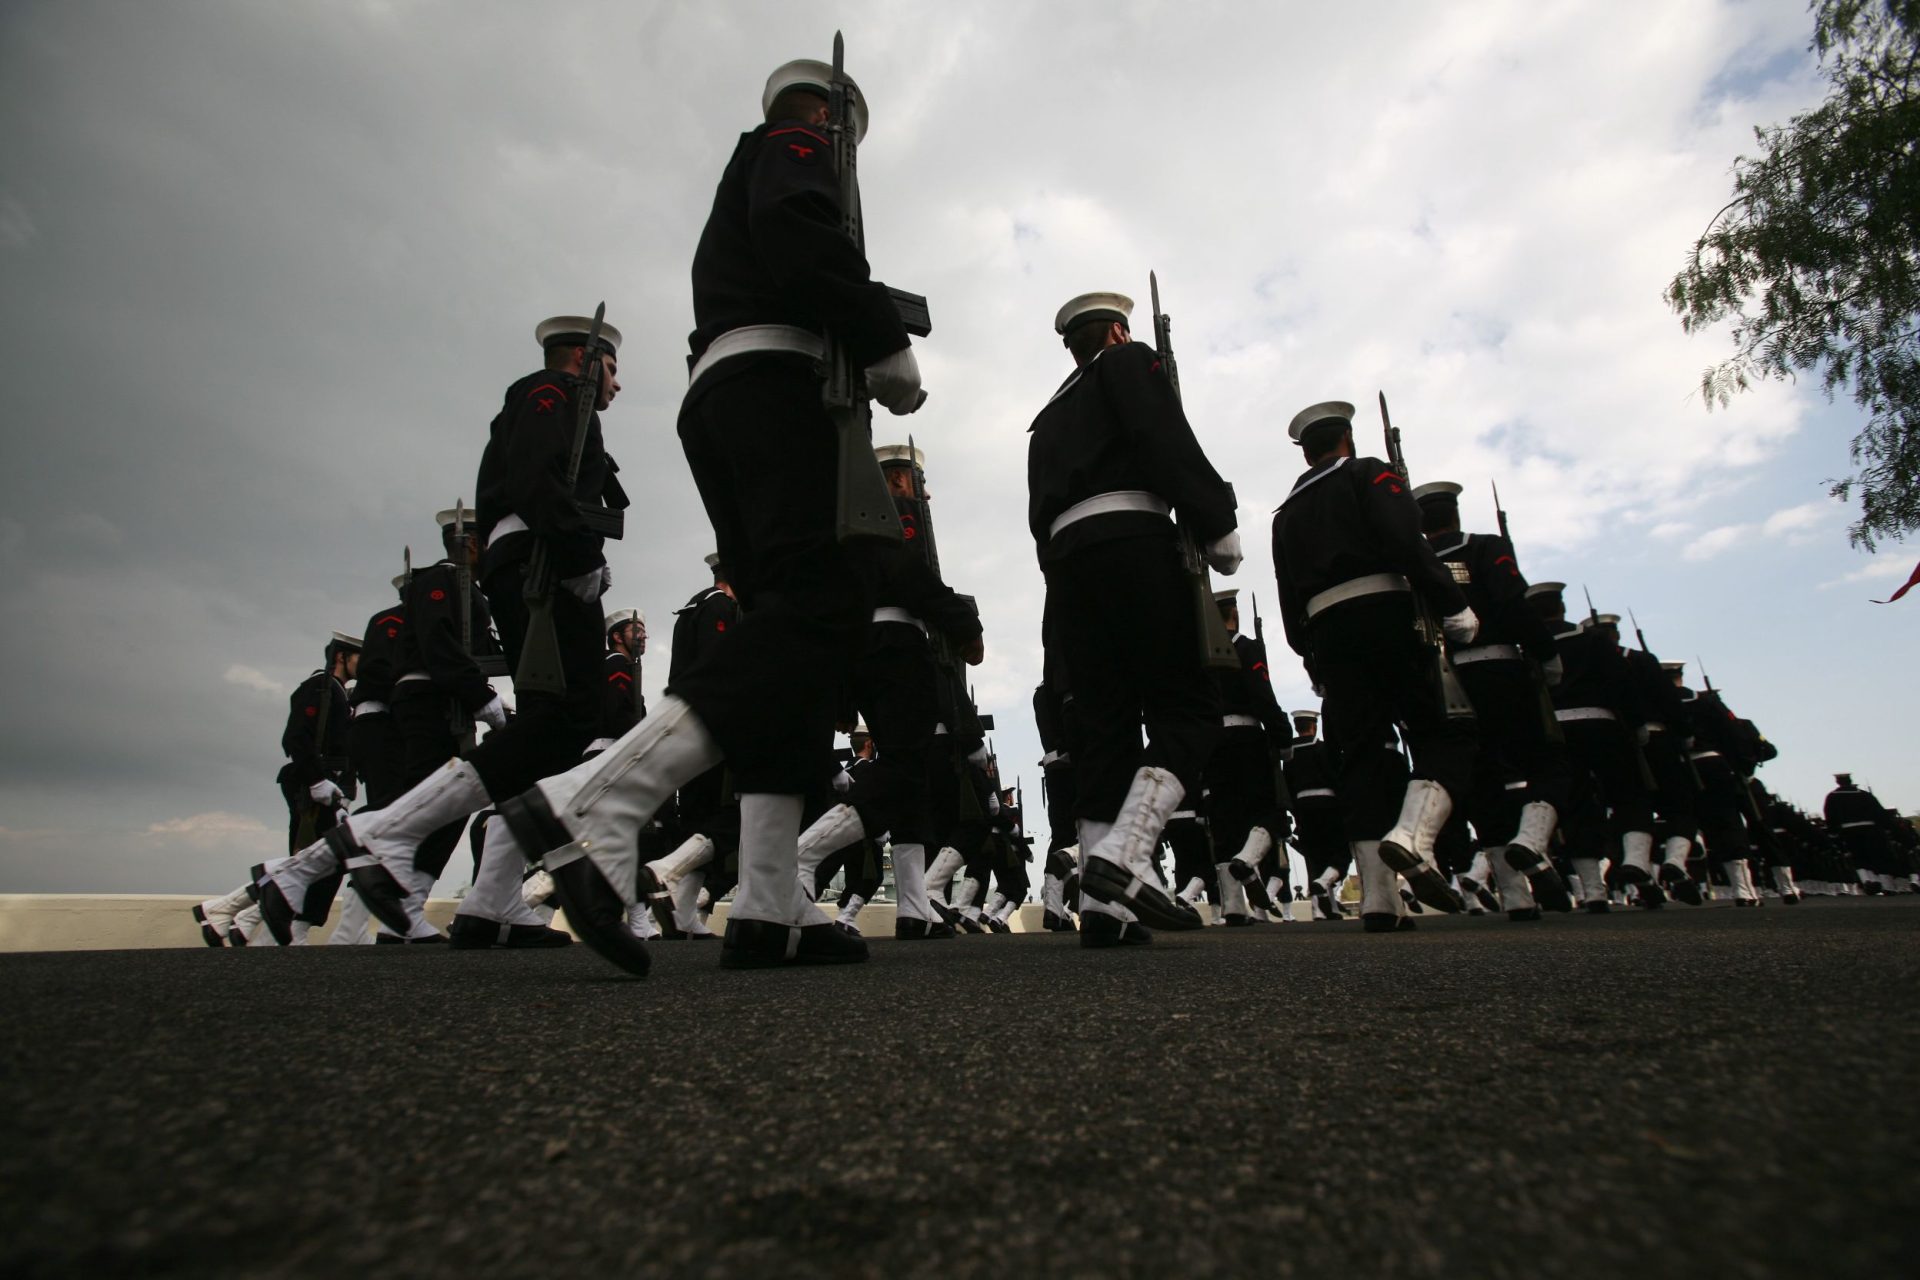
<point x="1313" y="477"/>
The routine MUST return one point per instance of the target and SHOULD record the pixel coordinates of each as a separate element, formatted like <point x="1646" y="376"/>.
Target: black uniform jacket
<point x="432" y="638"/>
<point x="1310" y="768"/>
<point x="1716" y="728"/>
<point x="309" y="757"/>
<point x="775" y="251"/>
<point x="1248" y="691"/>
<point x="1854" y="804"/>
<point x="381" y="650"/>
<point x="1655" y="699"/>
<point x="1349" y="518"/>
<point x="621" y="707"/>
<point x="1116" y="424"/>
<point x="523" y="472"/>
<point x="697" y="627"/>
<point x="1593" y="673"/>
<point x="907" y="581"/>
<point x="1489" y="576"/>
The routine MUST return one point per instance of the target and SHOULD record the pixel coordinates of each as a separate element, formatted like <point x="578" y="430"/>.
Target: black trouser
<point x="1060" y="799"/>
<point x="1606" y="749"/>
<point x="548" y="732"/>
<point x="764" y="455"/>
<point x="1322" y="836"/>
<point x="424" y="719"/>
<point x="1515" y="746"/>
<point x="1872" y="851"/>
<point x="300" y="806"/>
<point x="1239" y="791"/>
<point x="1377" y="673"/>
<point x="1675" y="790"/>
<point x="1193" y="853"/>
<point x="379" y="757"/>
<point x="861" y="861"/>
<point x="893" y="686"/>
<point x="1122" y="613"/>
<point x="1723" y="811"/>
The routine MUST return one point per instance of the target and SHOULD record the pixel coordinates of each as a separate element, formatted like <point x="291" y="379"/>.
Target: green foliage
<point x="1814" y="259"/>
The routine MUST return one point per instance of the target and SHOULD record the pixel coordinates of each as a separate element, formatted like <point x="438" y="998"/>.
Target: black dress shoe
<point x="1549" y="890"/>
<point x="1054" y="923"/>
<point x="1098" y="929"/>
<point x="1386" y="922"/>
<point x="1428" y="885"/>
<point x="659" y="899"/>
<point x="208" y="933"/>
<point x="596" y="913"/>
<point x="383" y="895"/>
<point x="274" y="907"/>
<point x="764" y="944"/>
<point x="474" y="933"/>
<point x="1234" y="920"/>
<point x="1108" y="881"/>
<point x="1249" y="878"/>
<point x="908" y="929"/>
<point x="1524" y="914"/>
<point x="1597" y="908"/>
<point x="1652" y="896"/>
<point x="1413" y="903"/>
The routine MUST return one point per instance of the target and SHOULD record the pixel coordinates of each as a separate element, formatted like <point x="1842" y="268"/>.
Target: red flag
<point x="1912" y="582"/>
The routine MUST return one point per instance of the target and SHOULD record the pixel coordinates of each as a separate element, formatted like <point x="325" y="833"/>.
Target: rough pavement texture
<point x="1694" y="1092"/>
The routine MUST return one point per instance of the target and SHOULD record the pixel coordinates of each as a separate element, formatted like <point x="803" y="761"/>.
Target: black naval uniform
<point x="1320" y="831"/>
<point x="1350" y="525"/>
<point x="1239" y="778"/>
<point x="1863" y="826"/>
<point x="1664" y="735"/>
<point x="374" y="739"/>
<point x="521" y="486"/>
<point x="1053" y="717"/>
<point x="622" y="705"/>
<point x="1118" y="598"/>
<point x="1519" y="741"/>
<point x="316" y="742"/>
<point x="1721" y="755"/>
<point x="1595" y="706"/>
<point x="438" y="689"/>
<point x="709" y="804"/>
<point x="764" y="455"/>
<point x="861" y="859"/>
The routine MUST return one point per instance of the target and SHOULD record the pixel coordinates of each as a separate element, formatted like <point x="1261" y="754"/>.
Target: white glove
<point x="1462" y="627"/>
<point x="494" y="714"/>
<point x="1319" y="691"/>
<point x="1224" y="554"/>
<point x="843" y="782"/>
<point x="327" y="794"/>
<point x="993" y="804"/>
<point x="978" y="756"/>
<point x="1554" y="670"/>
<point x="895" y="382"/>
<point x="589" y="586"/>
<point x="536" y="888"/>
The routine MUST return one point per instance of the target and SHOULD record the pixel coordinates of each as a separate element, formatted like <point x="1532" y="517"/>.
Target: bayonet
<point x="1638" y="634"/>
<point x="1500" y="514"/>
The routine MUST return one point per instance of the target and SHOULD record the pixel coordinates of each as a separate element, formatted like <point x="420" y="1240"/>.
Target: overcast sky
<point x="266" y="269"/>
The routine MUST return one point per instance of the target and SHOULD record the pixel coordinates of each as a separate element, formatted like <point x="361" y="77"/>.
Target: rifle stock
<point x="1453" y="695"/>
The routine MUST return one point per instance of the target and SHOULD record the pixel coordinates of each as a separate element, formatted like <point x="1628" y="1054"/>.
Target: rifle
<point x="1453" y="695"/>
<point x="1638" y="634"/>
<point x="1216" y="646"/>
<point x="1278" y="759"/>
<point x="1593" y="614"/>
<point x="540" y="668"/>
<point x="1542" y="694"/>
<point x="864" y="507"/>
<point x="943" y="654"/>
<point x="307" y="831"/>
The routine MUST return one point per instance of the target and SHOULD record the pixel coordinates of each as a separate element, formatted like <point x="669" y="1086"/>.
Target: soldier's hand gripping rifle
<point x="864" y="507"/>
<point x="1216" y="646"/>
<point x="540" y="668"/>
<point x="1453" y="694"/>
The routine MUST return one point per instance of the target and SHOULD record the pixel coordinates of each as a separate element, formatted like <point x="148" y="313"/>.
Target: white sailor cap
<point x="899" y="453"/>
<point x="400" y="581"/>
<point x="859" y="730"/>
<point x="713" y="559"/>
<point x="1089" y="307"/>
<point x="1674" y="668"/>
<point x="346" y="641"/>
<point x="460" y="513"/>
<point x="1226" y="596"/>
<point x="1605" y="620"/>
<point x="620" y="617"/>
<point x="811" y="73"/>
<point x="1328" y="410"/>
<point x="1437" y="489"/>
<point x="572" y="331"/>
<point x="1545" y="589"/>
<point x="1305" y="713"/>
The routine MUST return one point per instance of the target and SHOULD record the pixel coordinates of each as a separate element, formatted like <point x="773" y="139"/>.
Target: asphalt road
<point x="1705" y="1092"/>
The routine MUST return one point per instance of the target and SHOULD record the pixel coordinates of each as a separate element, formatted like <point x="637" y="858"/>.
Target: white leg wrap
<point x="1134" y="839"/>
<point x="769" y="843"/>
<point x="1379" y="885"/>
<point x="1593" y="885"/>
<point x="832" y="831"/>
<point x="910" y="883"/>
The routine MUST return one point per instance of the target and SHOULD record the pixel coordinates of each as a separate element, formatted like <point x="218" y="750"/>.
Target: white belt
<point x="939" y="730"/>
<point x="1584" y="713"/>
<point x="598" y="744"/>
<point x="1353" y="588"/>
<point x="370" y="707"/>
<point x="890" y="614"/>
<point x="1313" y="793"/>
<point x="412" y="677"/>
<point x="1703" y="755"/>
<point x="758" y="337"/>
<point x="506" y="525"/>
<point x="1055" y="757"/>
<point x="1486" y="653"/>
<point x="1240" y="722"/>
<point x="1654" y="726"/>
<point x="1101" y="504"/>
<point x="1180" y="814"/>
<point x="1864" y="822"/>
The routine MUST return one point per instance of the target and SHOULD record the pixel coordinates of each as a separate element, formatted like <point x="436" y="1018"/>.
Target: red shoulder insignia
<point x="1513" y="570"/>
<point x="803" y="146"/>
<point x="546" y="397"/>
<point x="311" y="711"/>
<point x="1389" y="477"/>
<point x="719" y="624"/>
<point x="436" y="594"/>
<point x="619" y="677"/>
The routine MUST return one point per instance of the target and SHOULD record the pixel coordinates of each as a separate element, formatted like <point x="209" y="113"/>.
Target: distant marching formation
<point x="1475" y="749"/>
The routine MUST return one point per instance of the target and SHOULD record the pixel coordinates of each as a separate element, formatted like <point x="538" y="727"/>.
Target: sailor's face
<point x="639" y="638"/>
<point x="609" y="381"/>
